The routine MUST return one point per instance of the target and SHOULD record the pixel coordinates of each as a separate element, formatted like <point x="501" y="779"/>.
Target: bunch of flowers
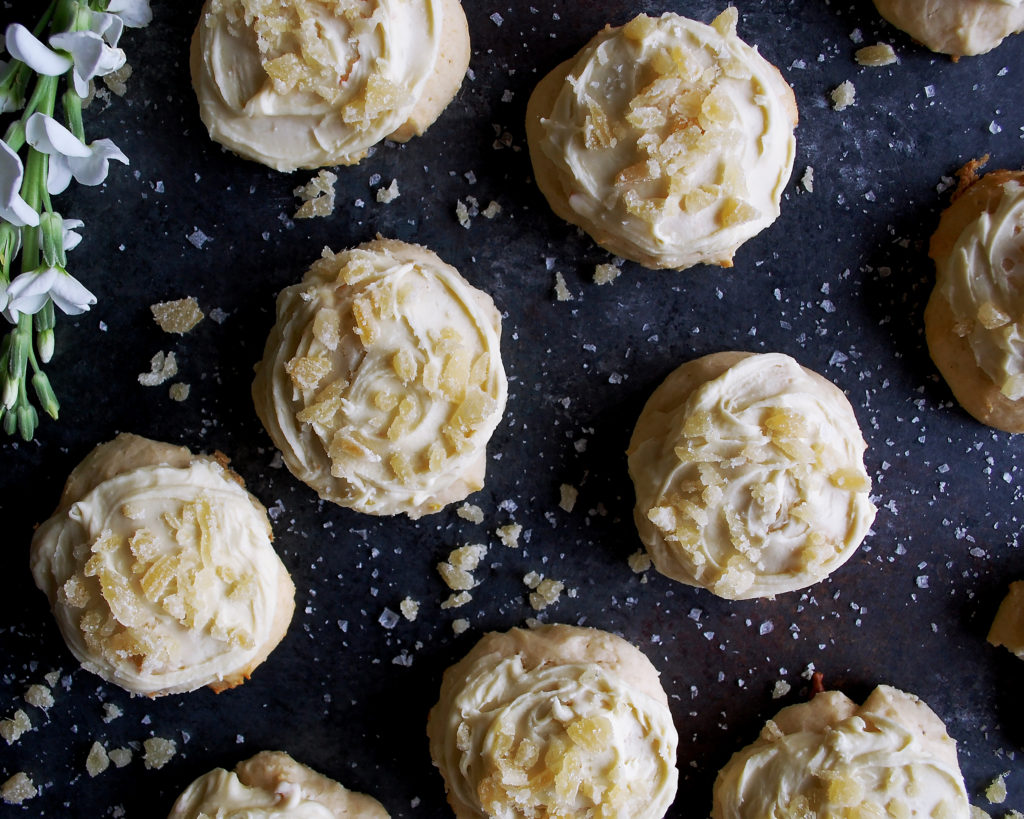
<point x="81" y="38"/>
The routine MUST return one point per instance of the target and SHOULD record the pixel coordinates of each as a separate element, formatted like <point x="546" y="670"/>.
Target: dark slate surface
<point x="839" y="282"/>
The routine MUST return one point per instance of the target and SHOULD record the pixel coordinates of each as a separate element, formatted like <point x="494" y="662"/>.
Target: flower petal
<point x="135" y="13"/>
<point x="12" y="207"/>
<point x="70" y="295"/>
<point x="28" y="292"/>
<point x="25" y="46"/>
<point x="58" y="175"/>
<point x="108" y="26"/>
<point x="92" y="56"/>
<point x="71" y="238"/>
<point x="48" y="136"/>
<point x="92" y="170"/>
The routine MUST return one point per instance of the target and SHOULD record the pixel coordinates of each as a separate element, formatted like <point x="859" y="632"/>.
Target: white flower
<point x="12" y="207"/>
<point x="91" y="55"/>
<point x="29" y="292"/>
<point x="134" y="13"/>
<point x="69" y="156"/>
<point x="25" y="46"/>
<point x="71" y="239"/>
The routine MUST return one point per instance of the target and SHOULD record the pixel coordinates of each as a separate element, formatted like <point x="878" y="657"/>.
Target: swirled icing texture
<point x="382" y="380"/>
<point x="889" y="757"/>
<point x="673" y="140"/>
<point x="163" y="578"/>
<point x="956" y="27"/>
<point x="304" y="84"/>
<point x="272" y="785"/>
<point x="569" y="738"/>
<point x="983" y="281"/>
<point x="752" y="484"/>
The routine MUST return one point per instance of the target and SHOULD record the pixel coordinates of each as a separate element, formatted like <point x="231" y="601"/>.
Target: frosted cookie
<point x="272" y="784"/>
<point x="667" y="140"/>
<point x="382" y="380"/>
<point x="1008" y="626"/>
<point x="749" y="476"/>
<point x="955" y="27"/>
<point x="543" y="722"/>
<point x="890" y="756"/>
<point x="974" y="321"/>
<point x="160" y="570"/>
<point x="308" y="83"/>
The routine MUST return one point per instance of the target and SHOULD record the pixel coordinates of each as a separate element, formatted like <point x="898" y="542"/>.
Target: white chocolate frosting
<point x="957" y="27"/>
<point x="382" y="380"/>
<point x="549" y="735"/>
<point x="305" y="84"/>
<point x="163" y="579"/>
<point x="672" y="140"/>
<point x="751" y="483"/>
<point x="983" y="281"/>
<point x="272" y="785"/>
<point x="889" y="757"/>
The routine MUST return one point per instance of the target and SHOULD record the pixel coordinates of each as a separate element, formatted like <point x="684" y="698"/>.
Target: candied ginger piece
<point x="639" y="27"/>
<point x="725" y="23"/>
<point x="177" y="316"/>
<point x="308" y="371"/>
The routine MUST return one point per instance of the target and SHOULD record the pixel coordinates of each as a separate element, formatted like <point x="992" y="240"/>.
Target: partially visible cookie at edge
<point x="270" y="784"/>
<point x="890" y="756"/>
<point x="382" y="380"/>
<point x="160" y="569"/>
<point x="960" y="28"/>
<point x="310" y="83"/>
<point x="538" y="723"/>
<point x="974" y="320"/>
<point x="669" y="141"/>
<point x="1008" y="625"/>
<point x="749" y="475"/>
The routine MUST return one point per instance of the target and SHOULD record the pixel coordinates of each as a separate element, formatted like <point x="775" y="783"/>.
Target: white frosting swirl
<point x="568" y="739"/>
<point x="894" y="760"/>
<point x="982" y="278"/>
<point x="752" y="484"/>
<point x="382" y="380"/>
<point x="305" y="84"/>
<point x="220" y="793"/>
<point x="673" y="139"/>
<point x="163" y="579"/>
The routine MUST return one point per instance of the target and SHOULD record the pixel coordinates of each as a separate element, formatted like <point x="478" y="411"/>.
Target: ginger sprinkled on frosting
<point x="382" y="380"/>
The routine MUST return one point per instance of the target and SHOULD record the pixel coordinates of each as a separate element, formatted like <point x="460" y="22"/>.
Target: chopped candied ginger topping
<point x="308" y="371"/>
<point x="145" y="587"/>
<point x="178" y="316"/>
<point x="380" y="97"/>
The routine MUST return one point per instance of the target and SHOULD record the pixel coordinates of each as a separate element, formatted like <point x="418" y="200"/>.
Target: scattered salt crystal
<point x="197" y="238"/>
<point x="388" y="619"/>
<point x="497" y="19"/>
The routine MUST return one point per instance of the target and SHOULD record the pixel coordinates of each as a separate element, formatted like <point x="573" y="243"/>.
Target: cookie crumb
<point x="97" y="761"/>
<point x="509" y="534"/>
<point x="111" y="712"/>
<point x="117" y="81"/>
<point x="807" y="180"/>
<point x="12" y="729"/>
<point x="456" y="600"/>
<point x="457" y="570"/>
<point x="179" y="391"/>
<point x="462" y="214"/>
<point x="843" y="96"/>
<point x="606" y="273"/>
<point x="781" y="689"/>
<point x="569" y="493"/>
<point x="158" y="752"/>
<point x="120" y="756"/>
<point x="875" y="56"/>
<point x="317" y="195"/>
<point x="177" y="316"/>
<point x="18" y="789"/>
<point x="561" y="290"/>
<point x="162" y="367"/>
<point x="545" y="591"/>
<point x="460" y="626"/>
<point x="996" y="791"/>
<point x="388" y="194"/>
<point x="410" y="608"/>
<point x="639" y="561"/>
<point x="492" y="210"/>
<point x="474" y="514"/>
<point x="40" y="696"/>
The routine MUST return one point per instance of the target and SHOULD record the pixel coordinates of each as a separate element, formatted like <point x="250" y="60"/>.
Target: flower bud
<point x="51" y="237"/>
<point x="10" y="422"/>
<point x="44" y="344"/>
<point x="10" y="395"/>
<point x="28" y="420"/>
<point x="19" y="355"/>
<point x="44" y="392"/>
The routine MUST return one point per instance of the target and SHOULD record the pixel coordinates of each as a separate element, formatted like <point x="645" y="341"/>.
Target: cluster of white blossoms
<point x="81" y="43"/>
